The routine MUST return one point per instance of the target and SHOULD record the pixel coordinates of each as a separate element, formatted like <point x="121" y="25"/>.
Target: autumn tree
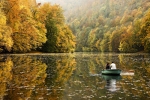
<point x="29" y="36"/>
<point x="127" y="40"/>
<point x="66" y="40"/>
<point x="145" y="32"/>
<point x="12" y="9"/>
<point x="60" y="37"/>
<point x="6" y="41"/>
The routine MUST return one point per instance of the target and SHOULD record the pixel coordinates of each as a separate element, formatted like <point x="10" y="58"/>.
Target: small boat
<point x="111" y="77"/>
<point x="111" y="72"/>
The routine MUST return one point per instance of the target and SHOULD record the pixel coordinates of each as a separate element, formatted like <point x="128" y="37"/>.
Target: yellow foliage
<point x="64" y="71"/>
<point x="2" y="19"/>
<point x="5" y="74"/>
<point x="5" y="33"/>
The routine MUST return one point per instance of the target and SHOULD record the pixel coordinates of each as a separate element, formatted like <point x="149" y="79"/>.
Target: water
<point x="74" y="77"/>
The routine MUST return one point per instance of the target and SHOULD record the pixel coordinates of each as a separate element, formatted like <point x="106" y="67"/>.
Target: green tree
<point x="115" y="40"/>
<point x="60" y="37"/>
<point x="91" y="40"/>
<point x="105" y="43"/>
<point x="136" y="35"/>
<point x="82" y="39"/>
<point x="97" y="44"/>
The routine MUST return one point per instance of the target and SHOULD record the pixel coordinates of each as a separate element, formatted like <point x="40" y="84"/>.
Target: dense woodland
<point x="26" y="26"/>
<point x="93" y="26"/>
<point x="110" y="25"/>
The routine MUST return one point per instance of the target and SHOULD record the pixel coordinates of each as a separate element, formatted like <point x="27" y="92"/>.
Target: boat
<point x="111" y="77"/>
<point x="111" y="72"/>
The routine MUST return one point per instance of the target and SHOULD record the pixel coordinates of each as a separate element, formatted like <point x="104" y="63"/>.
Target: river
<point x="74" y="76"/>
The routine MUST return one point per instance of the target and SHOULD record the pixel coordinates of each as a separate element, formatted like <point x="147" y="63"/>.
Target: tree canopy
<point x="27" y="26"/>
<point x="121" y="26"/>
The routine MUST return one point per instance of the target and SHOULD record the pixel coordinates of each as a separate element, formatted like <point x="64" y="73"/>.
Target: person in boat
<point x="113" y="65"/>
<point x="107" y="66"/>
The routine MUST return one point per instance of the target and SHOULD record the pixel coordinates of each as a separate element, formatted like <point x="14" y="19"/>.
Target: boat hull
<point x="111" y="77"/>
<point x="111" y="72"/>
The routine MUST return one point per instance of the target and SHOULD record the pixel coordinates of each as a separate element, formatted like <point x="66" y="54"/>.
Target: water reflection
<point x="59" y="71"/>
<point x="5" y="75"/>
<point x="111" y="82"/>
<point x="73" y="77"/>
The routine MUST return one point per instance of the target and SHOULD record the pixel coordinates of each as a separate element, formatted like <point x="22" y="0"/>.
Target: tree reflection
<point x="27" y="73"/>
<point x="5" y="75"/>
<point x="82" y="85"/>
<point x="59" y="72"/>
<point x="70" y="76"/>
<point x="136" y="86"/>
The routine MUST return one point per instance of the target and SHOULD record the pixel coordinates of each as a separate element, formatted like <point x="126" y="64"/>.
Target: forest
<point x="75" y="25"/>
<point x="110" y="25"/>
<point x="27" y="26"/>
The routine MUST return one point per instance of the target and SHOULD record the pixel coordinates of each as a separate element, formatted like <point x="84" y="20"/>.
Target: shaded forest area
<point x="26" y="26"/>
<point x="109" y="25"/>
